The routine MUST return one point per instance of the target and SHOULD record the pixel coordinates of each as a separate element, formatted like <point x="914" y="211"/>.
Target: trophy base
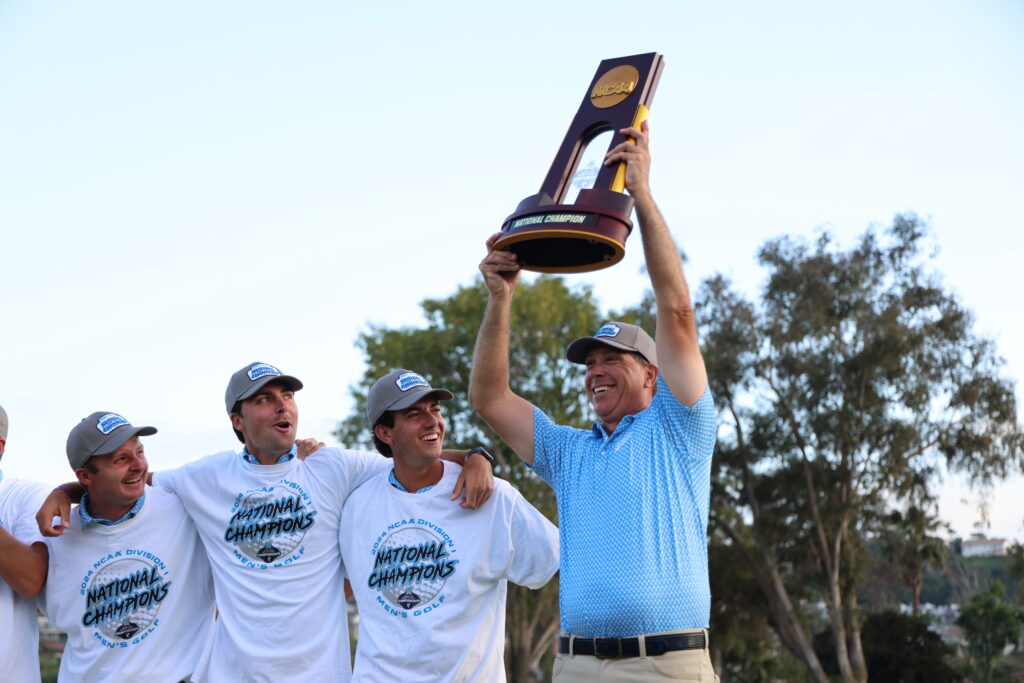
<point x="569" y="238"/>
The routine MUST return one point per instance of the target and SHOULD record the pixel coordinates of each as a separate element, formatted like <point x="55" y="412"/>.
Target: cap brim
<point x="292" y="383"/>
<point x="577" y="351"/>
<point x="119" y="439"/>
<point x="416" y="396"/>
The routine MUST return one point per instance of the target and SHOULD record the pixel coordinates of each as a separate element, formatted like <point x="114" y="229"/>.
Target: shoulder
<point x="544" y="427"/>
<point x="342" y="460"/>
<point x="162" y="499"/>
<point x="22" y="493"/>
<point x="216" y="461"/>
<point x="369" y="490"/>
<point x="665" y="400"/>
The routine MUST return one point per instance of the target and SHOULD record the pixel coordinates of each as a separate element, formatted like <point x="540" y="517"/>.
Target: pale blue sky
<point x="187" y="187"/>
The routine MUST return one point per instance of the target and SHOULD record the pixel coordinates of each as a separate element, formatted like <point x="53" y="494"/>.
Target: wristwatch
<point x="481" y="451"/>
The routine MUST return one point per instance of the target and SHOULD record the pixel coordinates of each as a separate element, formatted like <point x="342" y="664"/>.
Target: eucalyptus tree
<point x="845" y="385"/>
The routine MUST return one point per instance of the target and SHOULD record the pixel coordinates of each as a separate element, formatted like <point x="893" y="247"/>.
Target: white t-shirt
<point x="430" y="578"/>
<point x="135" y="598"/>
<point x="19" y="630"/>
<point x="271" y="533"/>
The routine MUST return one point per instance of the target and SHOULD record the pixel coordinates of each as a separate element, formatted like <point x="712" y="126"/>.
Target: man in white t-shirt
<point x="22" y="571"/>
<point x="430" y="577"/>
<point x="269" y="522"/>
<point x="128" y="580"/>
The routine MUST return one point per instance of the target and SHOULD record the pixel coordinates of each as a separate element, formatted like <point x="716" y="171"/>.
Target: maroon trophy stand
<point x="589" y="234"/>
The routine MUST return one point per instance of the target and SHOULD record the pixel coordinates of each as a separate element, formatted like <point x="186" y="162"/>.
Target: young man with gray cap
<point x="22" y="571"/>
<point x="269" y="523"/>
<point x="430" y="577"/>
<point x="128" y="581"/>
<point x="639" y="477"/>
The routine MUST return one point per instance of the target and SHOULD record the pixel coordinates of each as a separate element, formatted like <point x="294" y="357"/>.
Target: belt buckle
<point x="608" y="653"/>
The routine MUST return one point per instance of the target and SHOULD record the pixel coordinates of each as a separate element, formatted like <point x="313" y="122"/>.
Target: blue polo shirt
<point x="633" y="517"/>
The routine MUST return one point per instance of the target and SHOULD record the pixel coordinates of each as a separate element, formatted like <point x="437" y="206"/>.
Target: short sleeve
<point x="534" y="555"/>
<point x="24" y="527"/>
<point x="549" y="442"/>
<point x="694" y="428"/>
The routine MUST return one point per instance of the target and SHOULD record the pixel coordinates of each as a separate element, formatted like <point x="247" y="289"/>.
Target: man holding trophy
<point x="633" y="491"/>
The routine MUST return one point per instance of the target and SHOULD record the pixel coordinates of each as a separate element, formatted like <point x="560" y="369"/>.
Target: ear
<point x="384" y="434"/>
<point x="84" y="476"/>
<point x="651" y="375"/>
<point x="236" y="422"/>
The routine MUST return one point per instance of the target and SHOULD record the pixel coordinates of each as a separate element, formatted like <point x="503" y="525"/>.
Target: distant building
<point x="985" y="547"/>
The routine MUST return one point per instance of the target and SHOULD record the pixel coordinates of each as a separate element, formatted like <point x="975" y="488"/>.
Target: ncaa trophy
<point x="589" y="234"/>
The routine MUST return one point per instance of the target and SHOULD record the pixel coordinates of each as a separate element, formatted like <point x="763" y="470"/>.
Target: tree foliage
<point x="899" y="647"/>
<point x="845" y="386"/>
<point x="546" y="315"/>
<point x="990" y="624"/>
<point x="909" y="545"/>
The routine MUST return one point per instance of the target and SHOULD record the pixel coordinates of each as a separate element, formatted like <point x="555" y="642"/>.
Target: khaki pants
<point x="679" y="665"/>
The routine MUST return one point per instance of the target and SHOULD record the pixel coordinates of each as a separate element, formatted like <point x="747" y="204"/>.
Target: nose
<point x="435" y="420"/>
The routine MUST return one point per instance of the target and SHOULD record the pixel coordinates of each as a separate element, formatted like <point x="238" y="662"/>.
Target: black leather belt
<point x="630" y="647"/>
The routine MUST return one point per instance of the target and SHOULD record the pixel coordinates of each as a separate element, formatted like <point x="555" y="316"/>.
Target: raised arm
<point x="679" y="359"/>
<point x="489" y="392"/>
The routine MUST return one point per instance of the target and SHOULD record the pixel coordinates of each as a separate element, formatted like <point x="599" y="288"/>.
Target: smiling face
<point x="618" y="383"/>
<point x="267" y="421"/>
<point x="417" y="436"/>
<point x="115" y="480"/>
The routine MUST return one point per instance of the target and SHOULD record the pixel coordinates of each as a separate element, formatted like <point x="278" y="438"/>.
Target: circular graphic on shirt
<point x="267" y="525"/>
<point x="123" y="596"/>
<point x="410" y="567"/>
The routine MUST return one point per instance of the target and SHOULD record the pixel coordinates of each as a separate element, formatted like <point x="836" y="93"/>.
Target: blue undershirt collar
<point x="394" y="482"/>
<point x="251" y="459"/>
<point x="87" y="519"/>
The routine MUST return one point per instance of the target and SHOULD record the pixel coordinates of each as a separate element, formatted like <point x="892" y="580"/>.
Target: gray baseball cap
<point x="397" y="391"/>
<point x="251" y="379"/>
<point x="3" y="423"/>
<point x="101" y="433"/>
<point x="617" y="335"/>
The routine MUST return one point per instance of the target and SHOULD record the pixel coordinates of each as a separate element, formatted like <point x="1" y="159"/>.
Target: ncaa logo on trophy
<point x="590" y="234"/>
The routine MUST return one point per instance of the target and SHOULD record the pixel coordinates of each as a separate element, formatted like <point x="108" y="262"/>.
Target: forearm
<point x="510" y="415"/>
<point x="74" y="490"/>
<point x="679" y="359"/>
<point x="489" y="376"/>
<point x="661" y="255"/>
<point x="22" y="567"/>
<point x="456" y="456"/>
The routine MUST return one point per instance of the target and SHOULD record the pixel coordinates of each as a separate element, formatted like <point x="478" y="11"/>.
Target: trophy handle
<point x="619" y="183"/>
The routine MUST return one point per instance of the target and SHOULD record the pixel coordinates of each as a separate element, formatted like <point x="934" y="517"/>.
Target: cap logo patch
<point x="262" y="370"/>
<point x="608" y="331"/>
<point x="110" y="422"/>
<point x="408" y="380"/>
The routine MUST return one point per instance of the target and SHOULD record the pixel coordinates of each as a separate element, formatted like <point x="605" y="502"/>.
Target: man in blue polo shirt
<point x="633" y="491"/>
